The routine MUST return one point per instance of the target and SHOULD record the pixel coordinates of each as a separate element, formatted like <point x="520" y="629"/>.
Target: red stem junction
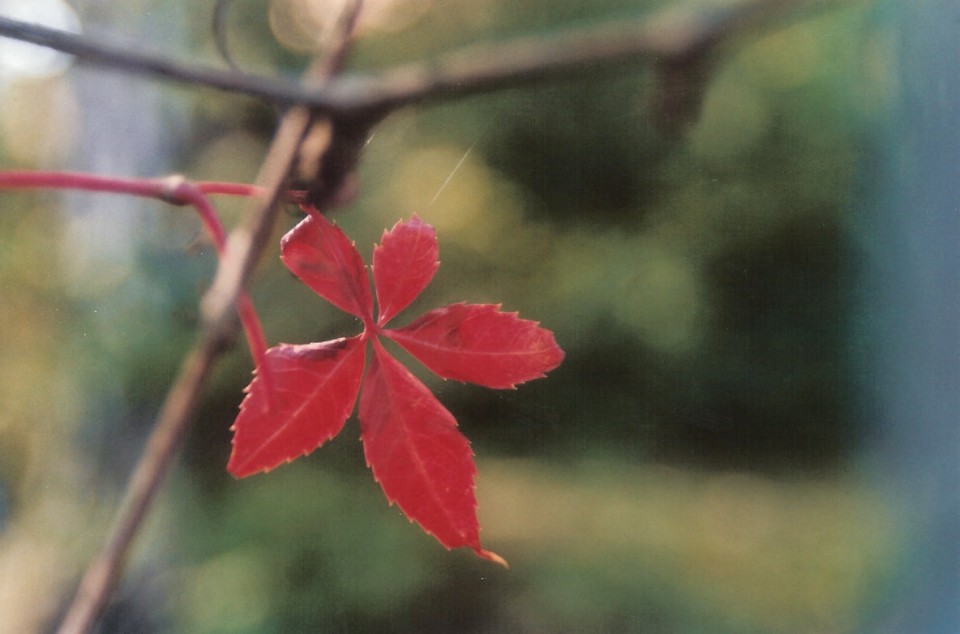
<point x="175" y="190"/>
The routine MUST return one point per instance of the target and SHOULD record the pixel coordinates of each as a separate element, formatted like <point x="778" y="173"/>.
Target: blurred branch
<point x="244" y="249"/>
<point x="673" y="34"/>
<point x="95" y="51"/>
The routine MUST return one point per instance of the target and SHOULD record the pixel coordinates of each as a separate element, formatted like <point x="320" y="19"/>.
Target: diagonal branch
<point x="669" y="35"/>
<point x="245" y="246"/>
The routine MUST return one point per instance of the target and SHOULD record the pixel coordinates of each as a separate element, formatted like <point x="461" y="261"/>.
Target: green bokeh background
<point x="694" y="464"/>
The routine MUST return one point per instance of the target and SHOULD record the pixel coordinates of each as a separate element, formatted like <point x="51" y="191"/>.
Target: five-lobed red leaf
<point x="417" y="454"/>
<point x="311" y="393"/>
<point x="403" y="265"/>
<point x="480" y="344"/>
<point x="325" y="260"/>
<point x="305" y="393"/>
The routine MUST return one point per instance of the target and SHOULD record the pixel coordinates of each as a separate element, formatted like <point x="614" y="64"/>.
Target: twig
<point x="96" y="51"/>
<point x="244" y="249"/>
<point x="103" y="573"/>
<point x="672" y="34"/>
<point x="175" y="190"/>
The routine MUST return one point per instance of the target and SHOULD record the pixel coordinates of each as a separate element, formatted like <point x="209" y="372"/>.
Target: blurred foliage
<point x="687" y="469"/>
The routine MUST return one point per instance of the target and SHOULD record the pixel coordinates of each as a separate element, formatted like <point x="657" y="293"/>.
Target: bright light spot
<point x="464" y="211"/>
<point x="735" y="118"/>
<point x="303" y="25"/>
<point x="392" y="16"/>
<point x="20" y="59"/>
<point x="660" y="296"/>
<point x="227" y="594"/>
<point x="39" y="119"/>
<point x="295" y="27"/>
<point x="788" y="58"/>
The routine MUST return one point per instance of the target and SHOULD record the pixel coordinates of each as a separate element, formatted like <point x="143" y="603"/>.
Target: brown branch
<point x="673" y="34"/>
<point x="101" y="53"/>
<point x="246" y="244"/>
<point x="103" y="572"/>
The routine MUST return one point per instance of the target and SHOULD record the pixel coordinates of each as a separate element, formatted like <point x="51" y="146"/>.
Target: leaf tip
<point x="489" y="555"/>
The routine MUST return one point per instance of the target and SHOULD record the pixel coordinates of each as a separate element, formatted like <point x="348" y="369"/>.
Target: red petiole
<point x="175" y="190"/>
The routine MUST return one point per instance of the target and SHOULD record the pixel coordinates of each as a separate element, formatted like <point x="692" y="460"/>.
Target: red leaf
<point x="325" y="260"/>
<point x="480" y="344"/>
<point x="418" y="456"/>
<point x="302" y="395"/>
<point x="403" y="265"/>
<point x="313" y="389"/>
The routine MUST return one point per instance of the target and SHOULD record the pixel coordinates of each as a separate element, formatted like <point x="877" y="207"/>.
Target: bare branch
<point x="100" y="53"/>
<point x="246" y="245"/>
<point x="104" y="571"/>
<point x="673" y="34"/>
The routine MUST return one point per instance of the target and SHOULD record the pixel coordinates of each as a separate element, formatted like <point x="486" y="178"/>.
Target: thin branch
<point x="244" y="248"/>
<point x="96" y="51"/>
<point x="672" y="34"/>
<point x="249" y="240"/>
<point x="104" y="571"/>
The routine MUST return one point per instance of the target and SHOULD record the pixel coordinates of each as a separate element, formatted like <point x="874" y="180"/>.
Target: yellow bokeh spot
<point x="787" y="58"/>
<point x="226" y="594"/>
<point x="298" y="24"/>
<point x="235" y="157"/>
<point x="303" y="25"/>
<point x="38" y="121"/>
<point x="661" y="298"/>
<point x="456" y="191"/>
<point x="734" y="119"/>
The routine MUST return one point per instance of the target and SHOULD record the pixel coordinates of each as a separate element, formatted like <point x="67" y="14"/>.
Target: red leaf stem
<point x="25" y="179"/>
<point x="191" y="194"/>
<point x="174" y="190"/>
<point x="212" y="188"/>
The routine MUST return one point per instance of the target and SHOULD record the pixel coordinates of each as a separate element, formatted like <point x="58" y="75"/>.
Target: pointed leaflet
<point x="480" y="344"/>
<point x="418" y="456"/>
<point x="403" y="265"/>
<point x="314" y="390"/>
<point x="325" y="260"/>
